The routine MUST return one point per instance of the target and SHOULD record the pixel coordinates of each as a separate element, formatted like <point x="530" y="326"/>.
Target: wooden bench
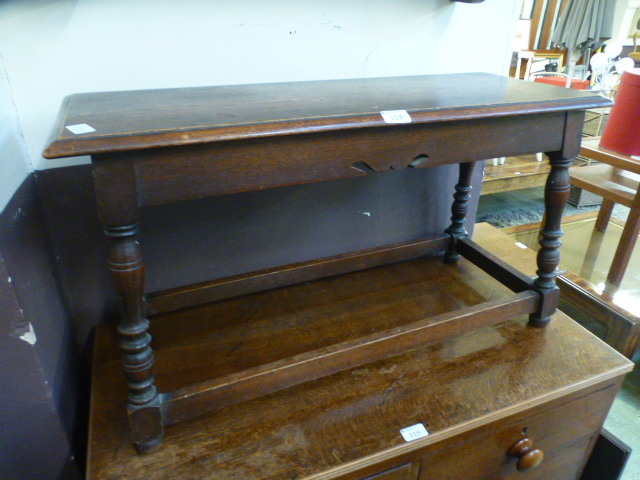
<point x="617" y="181"/>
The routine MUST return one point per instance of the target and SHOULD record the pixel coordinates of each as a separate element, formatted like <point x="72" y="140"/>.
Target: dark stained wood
<point x="317" y="315"/>
<point x="132" y="120"/>
<point x="219" y="168"/>
<point x="474" y="393"/>
<point x="573" y="134"/>
<point x="556" y="194"/>
<point x="185" y="403"/>
<point x="127" y="271"/>
<point x="459" y="209"/>
<point x="500" y="270"/>
<point x="174" y="299"/>
<point x="154" y="147"/>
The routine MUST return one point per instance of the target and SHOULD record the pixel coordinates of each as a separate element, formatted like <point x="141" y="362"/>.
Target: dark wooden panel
<point x="235" y="234"/>
<point x="564" y="440"/>
<point x="252" y="282"/>
<point x="168" y="175"/>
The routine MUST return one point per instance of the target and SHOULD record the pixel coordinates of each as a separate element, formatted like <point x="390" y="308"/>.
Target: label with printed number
<point x="80" y="128"/>
<point x="396" y="116"/>
<point x="414" y="432"/>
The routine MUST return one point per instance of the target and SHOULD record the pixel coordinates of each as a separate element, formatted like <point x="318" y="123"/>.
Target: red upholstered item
<point x="562" y="81"/>
<point x="622" y="132"/>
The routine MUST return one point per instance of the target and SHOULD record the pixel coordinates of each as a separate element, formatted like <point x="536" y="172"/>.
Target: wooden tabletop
<point x="591" y="148"/>
<point x="129" y="120"/>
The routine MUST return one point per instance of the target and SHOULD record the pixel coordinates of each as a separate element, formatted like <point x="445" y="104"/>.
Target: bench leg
<point x="556" y="194"/>
<point x="114" y="178"/>
<point x="459" y="210"/>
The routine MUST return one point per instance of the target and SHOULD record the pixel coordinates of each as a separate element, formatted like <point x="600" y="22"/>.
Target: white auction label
<point x="80" y="128"/>
<point x="414" y="432"/>
<point x="396" y="116"/>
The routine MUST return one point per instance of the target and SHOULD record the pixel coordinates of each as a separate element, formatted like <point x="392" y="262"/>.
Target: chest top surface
<point x="139" y="119"/>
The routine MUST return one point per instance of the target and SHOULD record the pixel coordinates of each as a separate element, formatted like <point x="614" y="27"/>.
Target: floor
<point x="589" y="255"/>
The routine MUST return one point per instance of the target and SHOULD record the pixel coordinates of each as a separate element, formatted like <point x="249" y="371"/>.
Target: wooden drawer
<point x="565" y="434"/>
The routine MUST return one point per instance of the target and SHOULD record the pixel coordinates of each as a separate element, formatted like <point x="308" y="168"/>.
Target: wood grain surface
<point x="351" y="421"/>
<point x="347" y="423"/>
<point x="138" y="119"/>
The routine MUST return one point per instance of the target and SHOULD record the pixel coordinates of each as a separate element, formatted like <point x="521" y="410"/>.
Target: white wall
<point x="625" y="14"/>
<point x="13" y="155"/>
<point x="57" y="47"/>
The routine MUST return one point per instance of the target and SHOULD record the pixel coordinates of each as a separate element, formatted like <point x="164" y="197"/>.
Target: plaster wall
<point x="13" y="155"/>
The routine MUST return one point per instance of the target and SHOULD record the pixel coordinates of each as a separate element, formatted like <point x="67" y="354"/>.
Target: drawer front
<point x="403" y="472"/>
<point x="565" y="435"/>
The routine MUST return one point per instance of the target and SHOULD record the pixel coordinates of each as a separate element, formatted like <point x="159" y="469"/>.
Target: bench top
<point x="132" y="120"/>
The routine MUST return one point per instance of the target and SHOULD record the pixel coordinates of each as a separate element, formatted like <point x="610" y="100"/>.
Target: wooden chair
<point x="616" y="180"/>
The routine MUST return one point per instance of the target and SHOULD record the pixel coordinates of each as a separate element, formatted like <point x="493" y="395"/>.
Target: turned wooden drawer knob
<point x="528" y="456"/>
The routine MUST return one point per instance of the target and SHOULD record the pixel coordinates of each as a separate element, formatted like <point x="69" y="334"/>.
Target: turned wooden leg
<point x="459" y="210"/>
<point x="127" y="272"/>
<point x="556" y="194"/>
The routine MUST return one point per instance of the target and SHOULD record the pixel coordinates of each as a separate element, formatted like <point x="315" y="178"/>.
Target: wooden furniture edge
<point x="591" y="148"/>
<point x="190" y="401"/>
<point x="59" y="147"/>
<point x="623" y="327"/>
<point x="599" y="179"/>
<point x="196" y="294"/>
<point x="408" y="450"/>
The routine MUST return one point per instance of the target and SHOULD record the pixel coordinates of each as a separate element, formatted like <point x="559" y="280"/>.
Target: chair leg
<point x="627" y="243"/>
<point x="604" y="215"/>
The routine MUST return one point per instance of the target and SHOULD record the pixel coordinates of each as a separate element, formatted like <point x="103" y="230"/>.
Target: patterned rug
<point x="523" y="216"/>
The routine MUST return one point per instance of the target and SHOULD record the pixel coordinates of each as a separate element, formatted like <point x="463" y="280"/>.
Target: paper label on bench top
<point x="414" y="432"/>
<point x="396" y="116"/>
<point x="80" y="128"/>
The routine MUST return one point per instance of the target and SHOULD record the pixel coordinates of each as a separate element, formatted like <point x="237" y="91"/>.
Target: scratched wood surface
<point x="137" y="119"/>
<point x="348" y="423"/>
